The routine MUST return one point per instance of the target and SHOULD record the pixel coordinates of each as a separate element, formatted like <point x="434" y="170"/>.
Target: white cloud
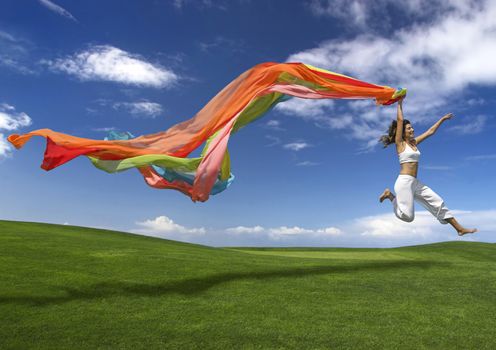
<point x="278" y="233"/>
<point x="424" y="228"/>
<point x="57" y="9"/>
<point x="10" y="120"/>
<point x="108" y="63"/>
<point x="307" y="109"/>
<point x="382" y="230"/>
<point x="332" y="231"/>
<point x="474" y="127"/>
<point x="446" y="56"/>
<point x="162" y="226"/>
<point x="244" y="229"/>
<point x="296" y="146"/>
<point x="284" y="232"/>
<point x="388" y="226"/>
<point x="141" y="108"/>
<point x="321" y="112"/>
<point x="4" y="146"/>
<point x="450" y="54"/>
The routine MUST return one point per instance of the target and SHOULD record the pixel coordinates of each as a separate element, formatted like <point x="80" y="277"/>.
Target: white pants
<point x="407" y="189"/>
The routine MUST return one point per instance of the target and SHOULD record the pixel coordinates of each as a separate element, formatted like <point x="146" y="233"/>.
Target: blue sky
<point x="309" y="172"/>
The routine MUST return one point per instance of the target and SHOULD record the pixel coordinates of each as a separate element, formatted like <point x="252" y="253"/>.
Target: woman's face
<point x="408" y="132"/>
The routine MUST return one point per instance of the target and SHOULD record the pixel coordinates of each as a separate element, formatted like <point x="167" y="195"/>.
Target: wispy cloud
<point x="296" y="146"/>
<point x="105" y="129"/>
<point x="201" y="4"/>
<point x="482" y="157"/>
<point x="438" y="167"/>
<point x="473" y="127"/>
<point x="108" y="63"/>
<point x="355" y="11"/>
<point x="141" y="108"/>
<point x="274" y="140"/>
<point x="7" y="37"/>
<point x="15" y="53"/>
<point x="178" y="3"/>
<point x="57" y="9"/>
<point x="10" y="120"/>
<point x="476" y="101"/>
<point x="222" y="43"/>
<point x="307" y="163"/>
<point x="273" y="125"/>
<point x="363" y="14"/>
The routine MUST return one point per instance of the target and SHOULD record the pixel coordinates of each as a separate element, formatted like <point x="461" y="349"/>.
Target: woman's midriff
<point x="409" y="168"/>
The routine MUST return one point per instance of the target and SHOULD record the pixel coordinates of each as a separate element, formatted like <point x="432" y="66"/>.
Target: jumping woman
<point x="407" y="187"/>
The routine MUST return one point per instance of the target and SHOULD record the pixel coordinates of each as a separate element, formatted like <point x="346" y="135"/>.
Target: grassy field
<point x="64" y="287"/>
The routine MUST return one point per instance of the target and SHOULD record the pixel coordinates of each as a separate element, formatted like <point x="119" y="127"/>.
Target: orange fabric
<point x="181" y="139"/>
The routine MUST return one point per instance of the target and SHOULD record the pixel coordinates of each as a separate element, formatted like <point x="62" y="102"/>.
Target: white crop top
<point x="409" y="155"/>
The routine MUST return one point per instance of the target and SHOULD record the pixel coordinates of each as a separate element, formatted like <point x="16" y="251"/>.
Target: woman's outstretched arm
<point x="432" y="130"/>
<point x="399" y="125"/>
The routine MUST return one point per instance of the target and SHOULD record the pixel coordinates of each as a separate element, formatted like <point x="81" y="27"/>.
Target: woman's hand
<point x="447" y="116"/>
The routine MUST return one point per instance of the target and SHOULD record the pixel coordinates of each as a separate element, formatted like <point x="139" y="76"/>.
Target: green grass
<point x="64" y="287"/>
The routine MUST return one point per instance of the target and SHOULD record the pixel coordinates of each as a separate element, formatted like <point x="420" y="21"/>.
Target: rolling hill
<point x="80" y="288"/>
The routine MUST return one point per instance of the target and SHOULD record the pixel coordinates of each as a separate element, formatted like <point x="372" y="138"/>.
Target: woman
<point x="407" y="187"/>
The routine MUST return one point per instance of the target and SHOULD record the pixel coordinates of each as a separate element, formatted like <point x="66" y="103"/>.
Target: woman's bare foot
<point x="386" y="194"/>
<point x="464" y="231"/>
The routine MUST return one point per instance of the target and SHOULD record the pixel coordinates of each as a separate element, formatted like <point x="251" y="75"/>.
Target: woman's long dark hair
<point x="391" y="133"/>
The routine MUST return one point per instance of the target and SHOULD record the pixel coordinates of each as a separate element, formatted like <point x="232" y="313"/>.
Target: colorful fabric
<point x="162" y="158"/>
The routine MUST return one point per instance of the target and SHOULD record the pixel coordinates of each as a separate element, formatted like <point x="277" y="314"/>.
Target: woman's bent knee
<point x="405" y="217"/>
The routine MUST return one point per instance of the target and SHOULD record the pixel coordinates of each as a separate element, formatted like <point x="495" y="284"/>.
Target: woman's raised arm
<point x="432" y="129"/>
<point x="399" y="125"/>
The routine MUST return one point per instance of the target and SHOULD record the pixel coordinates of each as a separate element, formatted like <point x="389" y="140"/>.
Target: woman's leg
<point x="431" y="201"/>
<point x="403" y="202"/>
<point x="459" y="228"/>
<point x="386" y="194"/>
